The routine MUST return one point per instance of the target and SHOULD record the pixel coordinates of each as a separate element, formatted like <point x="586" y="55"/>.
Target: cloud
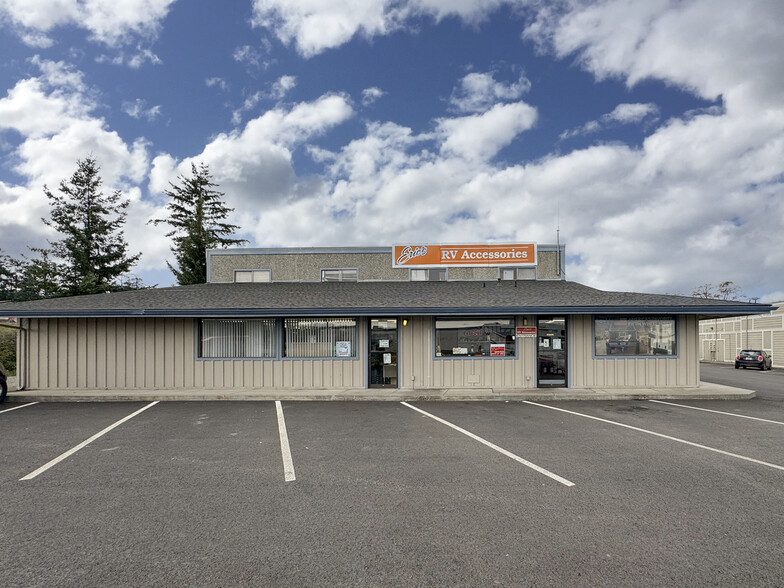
<point x="621" y="114"/>
<point x="107" y="21"/>
<point x="137" y="109"/>
<point x="370" y="95"/>
<point x="479" y="91"/>
<point x="216" y="81"/>
<point x="278" y="91"/>
<point x="317" y="26"/>
<point x="282" y="86"/>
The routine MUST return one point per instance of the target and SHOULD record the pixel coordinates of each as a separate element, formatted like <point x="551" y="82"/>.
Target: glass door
<point x="551" y="355"/>
<point x="382" y="353"/>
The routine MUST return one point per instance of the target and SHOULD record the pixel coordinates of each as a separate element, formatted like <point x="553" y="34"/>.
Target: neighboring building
<point x="721" y="339"/>
<point x="413" y="317"/>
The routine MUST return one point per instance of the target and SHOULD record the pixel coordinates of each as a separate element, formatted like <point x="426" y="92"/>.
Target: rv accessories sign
<point x="418" y="255"/>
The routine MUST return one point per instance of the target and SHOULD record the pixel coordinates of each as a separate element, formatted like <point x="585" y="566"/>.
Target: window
<point x="509" y="274"/>
<point x="518" y="273"/>
<point x="475" y="337"/>
<point x="429" y="275"/>
<point x="237" y="338"/>
<point x="635" y="336"/>
<point x="319" y="337"/>
<point x="339" y="275"/>
<point x="252" y="276"/>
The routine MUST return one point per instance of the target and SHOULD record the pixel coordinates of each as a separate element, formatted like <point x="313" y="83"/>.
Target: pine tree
<point x="93" y="253"/>
<point x="197" y="216"/>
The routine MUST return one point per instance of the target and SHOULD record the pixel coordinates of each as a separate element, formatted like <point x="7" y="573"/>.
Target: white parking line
<point x="285" y="450"/>
<point x="742" y="416"/>
<point x="501" y="450"/>
<point x="751" y="459"/>
<point x="14" y="408"/>
<point x="84" y="444"/>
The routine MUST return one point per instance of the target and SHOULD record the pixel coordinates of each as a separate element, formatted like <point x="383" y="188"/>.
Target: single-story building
<point x="412" y="316"/>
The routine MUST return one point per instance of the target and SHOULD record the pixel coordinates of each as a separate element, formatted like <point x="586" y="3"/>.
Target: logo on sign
<point x="410" y="253"/>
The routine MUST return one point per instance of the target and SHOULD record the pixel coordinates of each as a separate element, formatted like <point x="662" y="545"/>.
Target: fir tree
<point x="197" y="218"/>
<point x="93" y="253"/>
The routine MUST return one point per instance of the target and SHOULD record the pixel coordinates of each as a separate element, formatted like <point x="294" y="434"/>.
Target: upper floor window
<point x="339" y="275"/>
<point x="252" y="276"/>
<point x="429" y="275"/>
<point x="517" y="273"/>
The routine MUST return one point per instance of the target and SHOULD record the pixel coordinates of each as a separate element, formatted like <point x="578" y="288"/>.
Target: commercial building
<point x="722" y="338"/>
<point x="410" y="317"/>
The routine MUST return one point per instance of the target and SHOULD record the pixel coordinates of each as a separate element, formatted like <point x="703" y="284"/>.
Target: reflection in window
<point x="475" y="337"/>
<point x="635" y="336"/>
<point x="429" y="275"/>
<point x="339" y="275"/>
<point x="320" y="337"/>
<point x="252" y="275"/>
<point x="237" y="338"/>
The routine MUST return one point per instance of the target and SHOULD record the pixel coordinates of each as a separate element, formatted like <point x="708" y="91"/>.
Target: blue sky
<point x="651" y="132"/>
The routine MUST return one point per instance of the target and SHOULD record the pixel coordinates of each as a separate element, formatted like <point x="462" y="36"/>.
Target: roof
<point x="376" y="299"/>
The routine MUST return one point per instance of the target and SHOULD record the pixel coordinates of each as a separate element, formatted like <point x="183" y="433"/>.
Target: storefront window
<point x="237" y="338"/>
<point x="304" y="338"/>
<point x="635" y="336"/>
<point x="475" y="337"/>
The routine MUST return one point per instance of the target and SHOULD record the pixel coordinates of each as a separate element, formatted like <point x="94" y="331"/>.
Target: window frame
<point x="252" y="272"/>
<point x="445" y="271"/>
<point x="354" y="344"/>
<point x="199" y="343"/>
<point x="676" y="335"/>
<point x="512" y="326"/>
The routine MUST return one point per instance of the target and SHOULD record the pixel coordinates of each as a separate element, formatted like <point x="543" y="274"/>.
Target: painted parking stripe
<point x="742" y="416"/>
<point x="500" y="450"/>
<point x="285" y="450"/>
<point x="721" y="451"/>
<point x="16" y="407"/>
<point x="84" y="444"/>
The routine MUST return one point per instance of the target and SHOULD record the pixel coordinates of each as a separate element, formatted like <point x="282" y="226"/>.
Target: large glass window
<point x="237" y="338"/>
<point x="635" y="336"/>
<point x="475" y="337"/>
<point x="315" y="337"/>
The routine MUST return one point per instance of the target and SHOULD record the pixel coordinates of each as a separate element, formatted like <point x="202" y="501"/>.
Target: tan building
<point x="722" y="338"/>
<point x="413" y="317"/>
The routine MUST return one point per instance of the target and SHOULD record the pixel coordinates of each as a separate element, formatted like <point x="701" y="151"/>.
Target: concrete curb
<point x="703" y="392"/>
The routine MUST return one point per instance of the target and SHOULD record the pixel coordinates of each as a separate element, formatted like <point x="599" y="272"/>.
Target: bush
<point x="8" y="349"/>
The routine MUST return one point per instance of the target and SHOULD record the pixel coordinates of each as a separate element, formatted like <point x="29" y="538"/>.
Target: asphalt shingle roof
<point x="375" y="298"/>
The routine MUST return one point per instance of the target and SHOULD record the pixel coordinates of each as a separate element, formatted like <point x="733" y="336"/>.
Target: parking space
<point x="197" y="494"/>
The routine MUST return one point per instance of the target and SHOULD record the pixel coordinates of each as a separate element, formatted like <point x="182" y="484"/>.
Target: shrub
<point x="8" y="349"/>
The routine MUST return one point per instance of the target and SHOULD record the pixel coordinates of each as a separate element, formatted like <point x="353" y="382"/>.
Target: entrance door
<point x="552" y="353"/>
<point x="382" y="353"/>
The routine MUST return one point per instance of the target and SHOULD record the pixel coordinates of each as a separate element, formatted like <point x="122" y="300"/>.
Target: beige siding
<point x="146" y="353"/>
<point x="588" y="372"/>
<point x="421" y="369"/>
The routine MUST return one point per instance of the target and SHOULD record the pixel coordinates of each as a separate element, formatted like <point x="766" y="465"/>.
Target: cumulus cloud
<point x="479" y="91"/>
<point x="370" y="95"/>
<point x="138" y="109"/>
<point x="107" y="21"/>
<point x="217" y="81"/>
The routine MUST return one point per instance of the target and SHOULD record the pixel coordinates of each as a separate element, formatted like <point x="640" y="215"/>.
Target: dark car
<point x="753" y="358"/>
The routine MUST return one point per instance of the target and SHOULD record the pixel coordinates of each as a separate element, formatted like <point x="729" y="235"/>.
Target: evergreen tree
<point x="197" y="217"/>
<point x="93" y="253"/>
<point x="29" y="279"/>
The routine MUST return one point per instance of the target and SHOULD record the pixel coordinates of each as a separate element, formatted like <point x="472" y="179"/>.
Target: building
<point x="412" y="317"/>
<point x="722" y="338"/>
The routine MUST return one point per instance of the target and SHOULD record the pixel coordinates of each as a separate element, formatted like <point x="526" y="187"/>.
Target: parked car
<point x="754" y="358"/>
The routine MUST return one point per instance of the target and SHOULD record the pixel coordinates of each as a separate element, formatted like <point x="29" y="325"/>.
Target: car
<point x="754" y="358"/>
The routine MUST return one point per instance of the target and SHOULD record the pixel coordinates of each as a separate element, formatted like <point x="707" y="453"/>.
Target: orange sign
<point x="520" y="254"/>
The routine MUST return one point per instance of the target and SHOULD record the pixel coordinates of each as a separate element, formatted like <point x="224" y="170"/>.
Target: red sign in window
<point x="526" y="331"/>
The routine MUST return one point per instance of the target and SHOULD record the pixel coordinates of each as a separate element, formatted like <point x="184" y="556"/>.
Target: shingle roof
<point x="375" y="299"/>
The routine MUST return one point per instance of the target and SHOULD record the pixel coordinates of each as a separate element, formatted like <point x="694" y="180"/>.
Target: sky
<point x="648" y="137"/>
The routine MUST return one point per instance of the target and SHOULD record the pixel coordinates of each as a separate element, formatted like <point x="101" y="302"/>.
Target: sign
<point x="497" y="350"/>
<point x="343" y="349"/>
<point x="383" y="343"/>
<point x="526" y="331"/>
<point x="387" y="358"/>
<point x="419" y="255"/>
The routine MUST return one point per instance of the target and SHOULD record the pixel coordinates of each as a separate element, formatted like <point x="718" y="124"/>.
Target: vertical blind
<point x="228" y="338"/>
<point x="319" y="337"/>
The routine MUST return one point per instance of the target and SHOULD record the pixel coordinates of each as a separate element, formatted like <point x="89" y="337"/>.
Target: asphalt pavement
<point x="518" y="493"/>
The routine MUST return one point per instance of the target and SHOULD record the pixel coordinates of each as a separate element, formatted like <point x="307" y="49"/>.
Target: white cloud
<point x="481" y="136"/>
<point x="621" y="114"/>
<point x="108" y="21"/>
<point x="216" y="81"/>
<point x="370" y="95"/>
<point x="282" y="86"/>
<point x="138" y="109"/>
<point x="480" y="91"/>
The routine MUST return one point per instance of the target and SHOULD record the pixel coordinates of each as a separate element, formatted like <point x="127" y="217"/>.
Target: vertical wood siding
<point x="160" y="353"/>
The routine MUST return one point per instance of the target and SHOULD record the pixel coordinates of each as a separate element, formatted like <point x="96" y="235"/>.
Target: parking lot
<point x="622" y="493"/>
